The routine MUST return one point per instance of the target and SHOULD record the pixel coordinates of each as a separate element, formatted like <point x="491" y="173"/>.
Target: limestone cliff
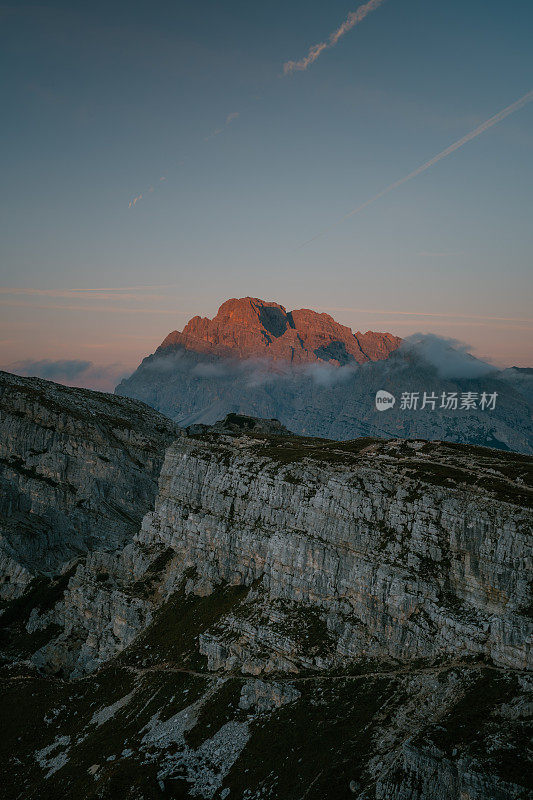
<point x="384" y="550"/>
<point x="294" y="618"/>
<point x="78" y="470"/>
<point x="403" y="550"/>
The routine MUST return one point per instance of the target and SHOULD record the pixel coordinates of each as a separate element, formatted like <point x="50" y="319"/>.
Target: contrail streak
<point x="314" y="52"/>
<point x="527" y="98"/>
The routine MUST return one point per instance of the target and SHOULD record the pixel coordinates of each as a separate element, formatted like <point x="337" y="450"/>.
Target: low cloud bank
<point x="450" y="357"/>
<point x="72" y="372"/>
<point x="327" y="375"/>
<point x="253" y="372"/>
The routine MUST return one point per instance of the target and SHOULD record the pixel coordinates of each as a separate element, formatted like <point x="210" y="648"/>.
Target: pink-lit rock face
<point x="252" y="328"/>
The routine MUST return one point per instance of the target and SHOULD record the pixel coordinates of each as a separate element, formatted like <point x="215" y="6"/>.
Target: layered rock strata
<point x="293" y="618"/>
<point x="78" y="470"/>
<point x="403" y="550"/>
<point x="349" y="552"/>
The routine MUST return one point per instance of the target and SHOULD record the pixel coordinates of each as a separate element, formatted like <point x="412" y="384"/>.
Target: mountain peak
<point x="249" y="327"/>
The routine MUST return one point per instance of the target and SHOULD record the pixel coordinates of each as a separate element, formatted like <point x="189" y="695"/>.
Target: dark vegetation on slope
<point x="314" y="747"/>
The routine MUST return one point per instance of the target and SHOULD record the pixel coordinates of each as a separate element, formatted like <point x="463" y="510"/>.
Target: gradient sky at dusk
<point x="239" y="164"/>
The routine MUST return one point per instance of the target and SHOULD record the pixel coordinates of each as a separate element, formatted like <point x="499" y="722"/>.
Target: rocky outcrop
<point x="292" y="618"/>
<point x="241" y="423"/>
<point x="395" y="545"/>
<point x="78" y="470"/>
<point x="252" y="328"/>
<point x="367" y="550"/>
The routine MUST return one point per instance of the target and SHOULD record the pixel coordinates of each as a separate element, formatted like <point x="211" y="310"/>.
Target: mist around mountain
<point x="199" y="380"/>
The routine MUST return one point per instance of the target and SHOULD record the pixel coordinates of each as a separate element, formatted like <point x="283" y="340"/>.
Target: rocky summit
<point x="252" y="328"/>
<point x="280" y="617"/>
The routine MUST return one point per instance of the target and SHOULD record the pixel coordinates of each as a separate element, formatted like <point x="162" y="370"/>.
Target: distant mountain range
<point x="320" y="379"/>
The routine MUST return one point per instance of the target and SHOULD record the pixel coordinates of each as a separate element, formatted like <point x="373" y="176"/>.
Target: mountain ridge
<point x="320" y="379"/>
<point x="249" y="327"/>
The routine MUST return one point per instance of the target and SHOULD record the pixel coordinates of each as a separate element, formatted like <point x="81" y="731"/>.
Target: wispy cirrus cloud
<point x="101" y="293"/>
<point x="146" y="299"/>
<point x="446" y="315"/>
<point x="91" y="309"/>
<point x="150" y="189"/>
<point x="135" y="200"/>
<point x="218" y="131"/>
<point x="353" y="19"/>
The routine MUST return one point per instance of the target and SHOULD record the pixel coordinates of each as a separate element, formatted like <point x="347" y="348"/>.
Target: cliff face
<point x="78" y="470"/>
<point x="293" y="618"/>
<point x="251" y="328"/>
<point x="403" y="550"/>
<point x="380" y="550"/>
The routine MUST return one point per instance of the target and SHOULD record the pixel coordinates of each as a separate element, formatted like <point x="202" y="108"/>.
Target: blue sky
<point x="102" y="100"/>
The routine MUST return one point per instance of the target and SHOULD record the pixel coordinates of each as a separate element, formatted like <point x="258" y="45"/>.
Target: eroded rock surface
<point x="248" y="327"/>
<point x="382" y="550"/>
<point x="78" y="470"/>
<point x="293" y="618"/>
